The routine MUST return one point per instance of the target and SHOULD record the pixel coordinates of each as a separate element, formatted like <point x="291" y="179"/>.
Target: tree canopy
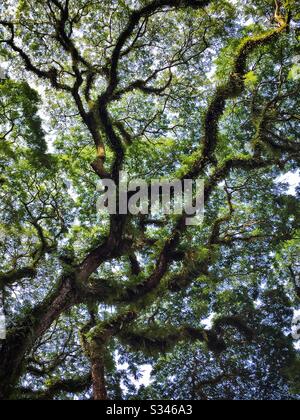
<point x="161" y="89"/>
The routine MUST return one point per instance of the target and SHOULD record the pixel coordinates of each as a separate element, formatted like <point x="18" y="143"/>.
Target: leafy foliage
<point x="160" y="89"/>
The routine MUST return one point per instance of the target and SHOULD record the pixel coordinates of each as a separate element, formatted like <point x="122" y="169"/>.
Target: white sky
<point x="291" y="178"/>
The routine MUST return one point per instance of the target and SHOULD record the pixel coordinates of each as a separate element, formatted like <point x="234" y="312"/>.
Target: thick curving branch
<point x="74" y="385"/>
<point x="14" y="276"/>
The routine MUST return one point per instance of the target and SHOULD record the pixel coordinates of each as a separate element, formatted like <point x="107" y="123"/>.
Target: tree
<point x="182" y="89"/>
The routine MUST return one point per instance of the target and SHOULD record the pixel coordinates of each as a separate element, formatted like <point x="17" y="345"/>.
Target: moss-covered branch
<point x="14" y="276"/>
<point x="162" y="339"/>
<point x="233" y="88"/>
<point x="54" y="388"/>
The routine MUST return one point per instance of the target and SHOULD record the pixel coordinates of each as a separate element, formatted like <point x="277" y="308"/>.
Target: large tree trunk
<point x="98" y="377"/>
<point x="22" y="338"/>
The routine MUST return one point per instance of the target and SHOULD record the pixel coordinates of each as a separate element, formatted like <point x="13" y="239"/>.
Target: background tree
<point x="162" y="88"/>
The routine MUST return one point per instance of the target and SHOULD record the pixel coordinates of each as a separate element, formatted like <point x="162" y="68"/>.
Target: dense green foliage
<point x="160" y="89"/>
